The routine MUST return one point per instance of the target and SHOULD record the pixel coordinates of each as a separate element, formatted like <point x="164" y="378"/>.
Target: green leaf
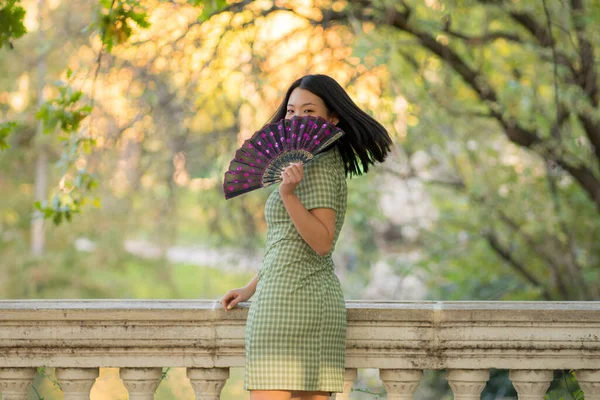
<point x="57" y="219"/>
<point x="5" y="130"/>
<point x="114" y="23"/>
<point x="11" y="22"/>
<point x="210" y="7"/>
<point x="63" y="110"/>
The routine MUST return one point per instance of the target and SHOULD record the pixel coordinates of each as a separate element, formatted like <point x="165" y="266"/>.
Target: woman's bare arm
<point x="234" y="296"/>
<point x="252" y="284"/>
<point x="317" y="226"/>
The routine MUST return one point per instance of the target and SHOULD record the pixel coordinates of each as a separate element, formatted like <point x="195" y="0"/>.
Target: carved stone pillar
<point x="208" y="382"/>
<point x="467" y="384"/>
<point x="15" y="381"/>
<point x="589" y="381"/>
<point x="530" y="384"/>
<point x="76" y="383"/>
<point x="400" y="384"/>
<point x="350" y="375"/>
<point x="141" y="383"/>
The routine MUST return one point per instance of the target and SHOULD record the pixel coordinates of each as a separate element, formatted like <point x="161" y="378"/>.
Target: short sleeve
<point x="320" y="186"/>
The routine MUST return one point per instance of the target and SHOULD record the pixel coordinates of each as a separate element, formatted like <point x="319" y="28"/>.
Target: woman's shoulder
<point x="329" y="162"/>
<point x="330" y="156"/>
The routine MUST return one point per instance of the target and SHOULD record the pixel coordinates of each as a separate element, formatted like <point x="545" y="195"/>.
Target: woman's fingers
<point x="227" y="299"/>
<point x="233" y="303"/>
<point x="298" y="170"/>
<point x="296" y="173"/>
<point x="293" y="173"/>
<point x="291" y="177"/>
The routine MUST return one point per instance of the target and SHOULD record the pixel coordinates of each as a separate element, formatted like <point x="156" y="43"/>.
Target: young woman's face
<point x="302" y="103"/>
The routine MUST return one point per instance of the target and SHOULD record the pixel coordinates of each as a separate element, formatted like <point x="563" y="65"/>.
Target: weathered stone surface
<point x="467" y="384"/>
<point x="531" y="384"/>
<point x="141" y="383"/>
<point x="400" y="384"/>
<point x="208" y="382"/>
<point x="589" y="381"/>
<point x="14" y="382"/>
<point x="387" y="335"/>
<point x="76" y="383"/>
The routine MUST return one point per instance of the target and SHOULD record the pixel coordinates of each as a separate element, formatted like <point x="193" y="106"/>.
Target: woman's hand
<point x="291" y="175"/>
<point x="234" y="296"/>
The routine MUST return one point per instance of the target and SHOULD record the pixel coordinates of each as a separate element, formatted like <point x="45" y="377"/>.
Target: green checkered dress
<point x="296" y="328"/>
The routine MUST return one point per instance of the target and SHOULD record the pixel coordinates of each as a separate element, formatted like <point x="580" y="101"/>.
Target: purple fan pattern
<point x="260" y="159"/>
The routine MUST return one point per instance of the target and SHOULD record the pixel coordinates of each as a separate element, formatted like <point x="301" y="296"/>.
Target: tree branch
<point x="542" y="35"/>
<point x="555" y="132"/>
<point x="586" y="78"/>
<point x="532" y="243"/>
<point x="458" y="183"/>
<point x="538" y="31"/>
<point x="505" y="254"/>
<point x="487" y="38"/>
<point x="592" y="130"/>
<point x="515" y="133"/>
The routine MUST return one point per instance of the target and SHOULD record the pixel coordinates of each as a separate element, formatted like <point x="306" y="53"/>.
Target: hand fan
<point x="261" y="159"/>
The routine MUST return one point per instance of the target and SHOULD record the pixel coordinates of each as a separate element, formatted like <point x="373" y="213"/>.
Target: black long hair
<point x="365" y="139"/>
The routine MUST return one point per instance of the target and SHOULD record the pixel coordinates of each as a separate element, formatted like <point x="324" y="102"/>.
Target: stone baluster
<point x="208" y="382"/>
<point x="15" y="381"/>
<point x="467" y="384"/>
<point x="141" y="383"/>
<point x="76" y="383"/>
<point x="350" y="375"/>
<point x="589" y="381"/>
<point x="530" y="384"/>
<point x="400" y="384"/>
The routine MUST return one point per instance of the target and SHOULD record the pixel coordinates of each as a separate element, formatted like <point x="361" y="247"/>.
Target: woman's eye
<point x="290" y="111"/>
<point x="308" y="111"/>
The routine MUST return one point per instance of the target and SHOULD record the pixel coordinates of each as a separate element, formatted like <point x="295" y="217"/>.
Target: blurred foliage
<point x="114" y="21"/>
<point x="107" y="272"/>
<point x="209" y="7"/>
<point x="63" y="112"/>
<point x="5" y="129"/>
<point x="158" y="95"/>
<point x="11" y="21"/>
<point x="66" y="114"/>
<point x="176" y="99"/>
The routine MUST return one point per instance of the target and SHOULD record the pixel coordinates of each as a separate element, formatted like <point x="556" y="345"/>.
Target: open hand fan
<point x="262" y="158"/>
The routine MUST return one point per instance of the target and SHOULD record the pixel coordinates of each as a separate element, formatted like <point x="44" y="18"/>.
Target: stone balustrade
<point x="401" y="339"/>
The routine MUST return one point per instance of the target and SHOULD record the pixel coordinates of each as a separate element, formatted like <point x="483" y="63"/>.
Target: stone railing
<point x="401" y="339"/>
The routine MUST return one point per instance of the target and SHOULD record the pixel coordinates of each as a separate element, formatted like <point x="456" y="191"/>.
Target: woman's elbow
<point x="323" y="249"/>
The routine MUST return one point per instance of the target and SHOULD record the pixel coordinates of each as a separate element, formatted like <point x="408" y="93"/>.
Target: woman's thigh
<point x="270" y="395"/>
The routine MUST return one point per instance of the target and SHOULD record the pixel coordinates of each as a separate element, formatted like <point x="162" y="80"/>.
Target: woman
<point x="296" y="327"/>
